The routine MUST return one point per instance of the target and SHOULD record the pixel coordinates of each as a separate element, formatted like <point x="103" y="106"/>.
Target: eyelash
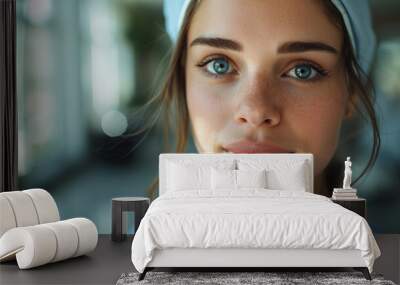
<point x="321" y="72"/>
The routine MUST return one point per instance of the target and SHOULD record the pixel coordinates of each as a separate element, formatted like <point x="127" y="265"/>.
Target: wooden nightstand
<point x="138" y="205"/>
<point x="358" y="205"/>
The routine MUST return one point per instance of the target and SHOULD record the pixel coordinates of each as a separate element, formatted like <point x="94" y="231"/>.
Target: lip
<point x="248" y="146"/>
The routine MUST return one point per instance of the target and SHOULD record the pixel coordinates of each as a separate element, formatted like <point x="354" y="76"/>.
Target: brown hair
<point x="170" y="99"/>
<point x="359" y="84"/>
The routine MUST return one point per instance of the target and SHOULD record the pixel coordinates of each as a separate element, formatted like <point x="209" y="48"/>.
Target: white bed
<point x="288" y="226"/>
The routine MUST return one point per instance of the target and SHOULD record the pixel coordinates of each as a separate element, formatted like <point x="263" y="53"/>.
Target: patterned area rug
<point x="225" y="278"/>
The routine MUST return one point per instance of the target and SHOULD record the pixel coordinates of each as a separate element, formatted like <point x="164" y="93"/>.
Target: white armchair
<point x="31" y="230"/>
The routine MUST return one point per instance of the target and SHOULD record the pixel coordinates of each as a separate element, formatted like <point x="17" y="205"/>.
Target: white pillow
<point x="223" y="179"/>
<point x="251" y="178"/>
<point x="235" y="179"/>
<point x="192" y="174"/>
<point x="185" y="177"/>
<point x="281" y="175"/>
<point x="288" y="179"/>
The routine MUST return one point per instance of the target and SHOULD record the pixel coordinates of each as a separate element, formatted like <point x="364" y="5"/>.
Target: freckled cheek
<point x="208" y="110"/>
<point x="318" y="128"/>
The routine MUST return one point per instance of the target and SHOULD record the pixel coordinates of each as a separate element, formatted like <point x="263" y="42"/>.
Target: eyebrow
<point x="288" y="47"/>
<point x="218" y="43"/>
<point x="306" y="46"/>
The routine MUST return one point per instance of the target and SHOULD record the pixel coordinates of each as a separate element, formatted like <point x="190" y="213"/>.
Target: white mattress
<point x="253" y="218"/>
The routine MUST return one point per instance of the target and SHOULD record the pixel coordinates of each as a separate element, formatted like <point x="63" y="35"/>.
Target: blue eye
<point x="221" y="66"/>
<point x="305" y="71"/>
<point x="217" y="67"/>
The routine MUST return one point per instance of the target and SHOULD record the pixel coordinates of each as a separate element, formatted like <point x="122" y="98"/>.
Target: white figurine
<point x="347" y="174"/>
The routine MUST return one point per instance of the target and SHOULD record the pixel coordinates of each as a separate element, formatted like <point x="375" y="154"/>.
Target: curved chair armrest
<point x="40" y="244"/>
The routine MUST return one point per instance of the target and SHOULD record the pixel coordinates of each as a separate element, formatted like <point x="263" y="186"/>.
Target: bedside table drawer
<point x="357" y="206"/>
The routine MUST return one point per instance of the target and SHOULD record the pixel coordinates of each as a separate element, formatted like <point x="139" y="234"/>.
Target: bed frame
<point x="247" y="259"/>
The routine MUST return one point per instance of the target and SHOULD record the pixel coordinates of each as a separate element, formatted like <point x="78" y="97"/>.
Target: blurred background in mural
<point x="86" y="66"/>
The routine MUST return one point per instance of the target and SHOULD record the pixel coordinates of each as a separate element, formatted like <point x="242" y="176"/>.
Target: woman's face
<point x="265" y="76"/>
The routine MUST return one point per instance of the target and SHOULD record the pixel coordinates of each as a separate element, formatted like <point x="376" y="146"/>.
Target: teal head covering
<point x="355" y="13"/>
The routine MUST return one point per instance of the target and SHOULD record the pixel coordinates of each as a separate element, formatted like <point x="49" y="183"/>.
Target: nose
<point x="258" y="106"/>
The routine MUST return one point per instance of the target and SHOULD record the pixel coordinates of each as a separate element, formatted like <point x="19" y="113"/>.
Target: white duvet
<point x="251" y="218"/>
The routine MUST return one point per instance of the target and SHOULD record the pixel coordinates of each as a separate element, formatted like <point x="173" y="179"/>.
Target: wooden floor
<point x="111" y="259"/>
